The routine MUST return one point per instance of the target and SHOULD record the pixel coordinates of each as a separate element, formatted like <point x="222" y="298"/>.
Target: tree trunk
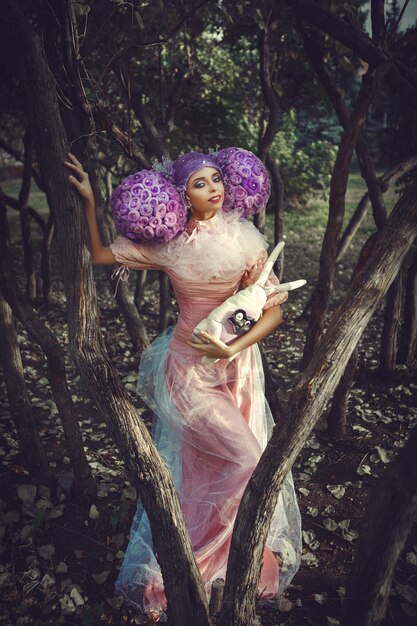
<point x="273" y="121"/>
<point x="279" y="206"/>
<point x="321" y="294"/>
<point x="389" y="518"/>
<point x="391" y="329"/>
<point x="409" y="332"/>
<point x="25" y="219"/>
<point x="85" y="486"/>
<point x="30" y="444"/>
<point x="78" y="124"/>
<point x="311" y="392"/>
<point x="166" y="313"/>
<point x="187" y="601"/>
<point x="46" y="259"/>
<point x="141" y="278"/>
<point x="337" y="417"/>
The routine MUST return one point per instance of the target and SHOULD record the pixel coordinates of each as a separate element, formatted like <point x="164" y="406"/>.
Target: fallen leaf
<point x="320" y="598"/>
<point x="338" y="491"/>
<point x="46" y="551"/>
<point x="330" y="524"/>
<point x="101" y="578"/>
<point x="94" y="512"/>
<point x="27" y="493"/>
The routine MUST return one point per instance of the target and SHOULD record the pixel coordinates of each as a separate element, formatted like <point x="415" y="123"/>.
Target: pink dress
<point x="212" y="422"/>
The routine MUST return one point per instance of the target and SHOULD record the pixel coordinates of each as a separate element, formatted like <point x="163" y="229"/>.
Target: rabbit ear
<point x="263" y="277"/>
<point x="293" y="284"/>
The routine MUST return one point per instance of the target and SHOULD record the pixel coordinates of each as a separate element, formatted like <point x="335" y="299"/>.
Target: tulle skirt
<point x="211" y="426"/>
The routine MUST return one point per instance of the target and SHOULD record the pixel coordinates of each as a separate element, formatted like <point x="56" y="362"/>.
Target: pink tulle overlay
<point x="211" y="425"/>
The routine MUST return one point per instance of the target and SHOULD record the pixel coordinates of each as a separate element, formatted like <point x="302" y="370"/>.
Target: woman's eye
<point x="216" y="179"/>
<point x="199" y="185"/>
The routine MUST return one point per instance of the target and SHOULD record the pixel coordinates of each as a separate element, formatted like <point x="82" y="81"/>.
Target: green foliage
<point x="305" y="166"/>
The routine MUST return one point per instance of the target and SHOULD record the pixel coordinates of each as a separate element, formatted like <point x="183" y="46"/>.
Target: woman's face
<point x="205" y="191"/>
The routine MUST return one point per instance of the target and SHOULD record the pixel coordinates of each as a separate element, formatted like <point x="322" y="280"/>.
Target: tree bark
<point x="389" y="518"/>
<point x="187" y="601"/>
<point x="141" y="278"/>
<point x="337" y="417"/>
<point x="25" y="218"/>
<point x="273" y="122"/>
<point x="408" y="344"/>
<point x="46" y="259"/>
<point x="279" y="206"/>
<point x="391" y="327"/>
<point x="311" y="392"/>
<point x="84" y="483"/>
<point x="33" y="452"/>
<point x="321" y="294"/>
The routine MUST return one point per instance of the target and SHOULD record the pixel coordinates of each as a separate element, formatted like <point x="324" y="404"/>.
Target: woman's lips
<point x="215" y="199"/>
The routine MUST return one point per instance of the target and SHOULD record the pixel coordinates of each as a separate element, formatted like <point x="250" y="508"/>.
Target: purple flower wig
<point x="187" y="164"/>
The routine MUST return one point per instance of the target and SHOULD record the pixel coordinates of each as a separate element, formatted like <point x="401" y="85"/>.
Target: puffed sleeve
<point x="253" y="270"/>
<point x="137" y="256"/>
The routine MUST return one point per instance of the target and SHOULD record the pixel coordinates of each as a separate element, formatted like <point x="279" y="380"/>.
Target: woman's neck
<point x="202" y="217"/>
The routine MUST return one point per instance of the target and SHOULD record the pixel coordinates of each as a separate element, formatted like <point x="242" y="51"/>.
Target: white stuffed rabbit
<point x="241" y="311"/>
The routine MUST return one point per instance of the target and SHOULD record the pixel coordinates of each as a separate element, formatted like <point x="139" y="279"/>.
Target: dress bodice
<point x="196" y="299"/>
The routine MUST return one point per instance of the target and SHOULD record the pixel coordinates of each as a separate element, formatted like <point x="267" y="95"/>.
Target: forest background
<point x="325" y="93"/>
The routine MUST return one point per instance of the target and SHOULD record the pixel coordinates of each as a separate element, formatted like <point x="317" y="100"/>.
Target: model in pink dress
<point x="212" y="422"/>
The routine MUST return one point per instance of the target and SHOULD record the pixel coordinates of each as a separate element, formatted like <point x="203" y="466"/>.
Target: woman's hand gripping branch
<point x="79" y="179"/>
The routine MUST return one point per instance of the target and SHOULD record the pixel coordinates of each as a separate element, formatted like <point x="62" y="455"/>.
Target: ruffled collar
<point x="202" y="225"/>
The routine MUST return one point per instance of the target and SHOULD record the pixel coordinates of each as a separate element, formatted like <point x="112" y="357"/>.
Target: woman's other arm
<point x="100" y="255"/>
<point x="215" y="348"/>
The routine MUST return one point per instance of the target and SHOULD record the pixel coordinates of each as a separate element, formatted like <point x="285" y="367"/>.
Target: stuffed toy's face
<point x="241" y="322"/>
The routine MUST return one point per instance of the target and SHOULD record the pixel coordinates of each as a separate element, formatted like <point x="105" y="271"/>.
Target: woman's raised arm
<point x="100" y="255"/>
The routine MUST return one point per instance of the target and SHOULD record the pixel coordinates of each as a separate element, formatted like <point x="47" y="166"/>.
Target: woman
<point x="212" y="420"/>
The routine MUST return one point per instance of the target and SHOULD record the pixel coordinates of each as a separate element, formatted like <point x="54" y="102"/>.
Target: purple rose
<point x="160" y="210"/>
<point x="145" y="195"/>
<point x="135" y="190"/>
<point x="155" y="221"/>
<point x="153" y="202"/>
<point x="145" y="209"/>
<point x="125" y="196"/>
<point x="172" y="192"/>
<point x="133" y="216"/>
<point x="249" y="201"/>
<point x="259" y="201"/>
<point x="161" y="231"/>
<point x="163" y="197"/>
<point x="173" y="206"/>
<point x="124" y="209"/>
<point x="148" y="181"/>
<point x="170" y="219"/>
<point x="143" y="221"/>
<point x="252" y="185"/>
<point x="239" y="192"/>
<point x="136" y="228"/>
<point x="235" y="179"/>
<point x="244" y="171"/>
<point x="148" y="232"/>
<point x="134" y="204"/>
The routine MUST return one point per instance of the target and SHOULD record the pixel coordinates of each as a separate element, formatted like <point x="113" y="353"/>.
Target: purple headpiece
<point x="149" y="206"/>
<point x="184" y="166"/>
